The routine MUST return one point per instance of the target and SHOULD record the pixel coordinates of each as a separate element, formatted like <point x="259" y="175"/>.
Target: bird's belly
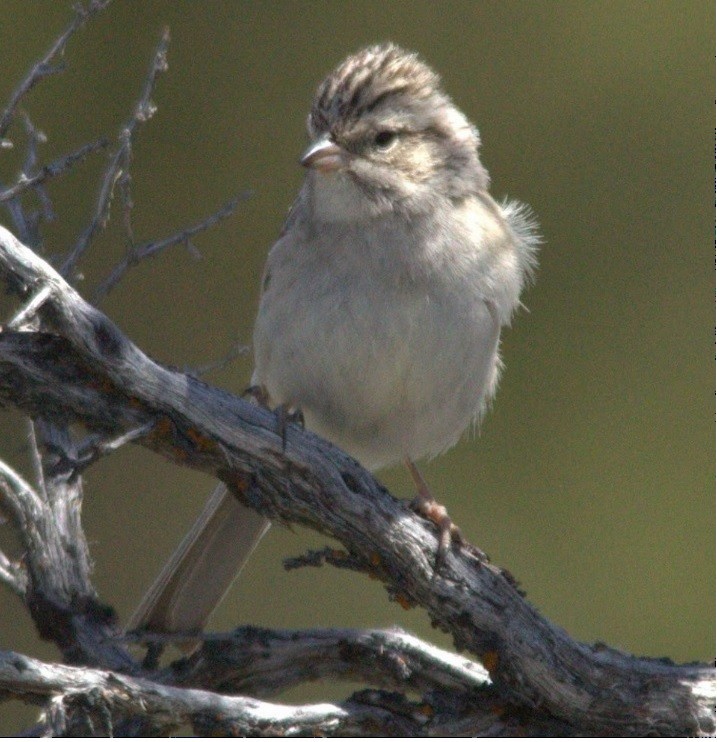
<point x="398" y="376"/>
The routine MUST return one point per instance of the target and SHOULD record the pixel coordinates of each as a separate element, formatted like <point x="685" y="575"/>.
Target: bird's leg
<point x="426" y="505"/>
<point x="286" y="414"/>
<point x="258" y="394"/>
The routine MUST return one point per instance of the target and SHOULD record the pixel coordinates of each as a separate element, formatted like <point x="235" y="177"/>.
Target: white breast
<point x="383" y="358"/>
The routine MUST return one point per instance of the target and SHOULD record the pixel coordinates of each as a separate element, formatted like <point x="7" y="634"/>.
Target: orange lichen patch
<point x="375" y="559"/>
<point x="240" y="484"/>
<point x="404" y="601"/>
<point x="163" y="428"/>
<point x="103" y="385"/>
<point x="427" y="710"/>
<point x="201" y="442"/>
<point x="106" y="386"/>
<point x="180" y="454"/>
<point x="162" y="436"/>
<point x="490" y="660"/>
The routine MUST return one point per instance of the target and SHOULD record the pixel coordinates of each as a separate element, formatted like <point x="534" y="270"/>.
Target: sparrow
<point x="382" y="302"/>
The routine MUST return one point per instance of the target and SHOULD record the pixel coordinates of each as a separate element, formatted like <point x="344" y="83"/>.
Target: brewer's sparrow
<point x="382" y="301"/>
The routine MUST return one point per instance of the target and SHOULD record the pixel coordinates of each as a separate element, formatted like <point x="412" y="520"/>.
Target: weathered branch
<point x="54" y="576"/>
<point x="88" y="371"/>
<point x="457" y="699"/>
<point x="85" y="702"/>
<point x="264" y="662"/>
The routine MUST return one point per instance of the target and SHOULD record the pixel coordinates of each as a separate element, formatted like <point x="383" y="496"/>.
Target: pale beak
<point x="324" y="155"/>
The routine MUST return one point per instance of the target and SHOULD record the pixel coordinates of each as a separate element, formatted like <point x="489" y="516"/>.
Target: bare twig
<point x="44" y="67"/>
<point x="96" y="447"/>
<point x="118" y="168"/>
<point x="28" y="223"/>
<point x="237" y="349"/>
<point x="35" y="137"/>
<point x="13" y="488"/>
<point x="27" y="312"/>
<point x="14" y="575"/>
<point x="456" y="693"/>
<point x="138" y="252"/>
<point x="17" y="497"/>
<point x="55" y="168"/>
<point x="328" y="555"/>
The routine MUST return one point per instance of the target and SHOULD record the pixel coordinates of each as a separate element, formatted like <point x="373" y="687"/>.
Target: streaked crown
<point x="372" y="77"/>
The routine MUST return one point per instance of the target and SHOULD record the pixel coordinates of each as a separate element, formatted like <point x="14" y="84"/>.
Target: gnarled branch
<point x="86" y="370"/>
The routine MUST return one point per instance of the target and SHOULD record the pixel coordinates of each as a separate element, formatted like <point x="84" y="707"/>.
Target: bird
<point x="382" y="302"/>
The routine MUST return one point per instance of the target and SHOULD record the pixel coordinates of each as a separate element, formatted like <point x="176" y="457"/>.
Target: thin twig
<point x="13" y="491"/>
<point x="29" y="310"/>
<point x="138" y="253"/>
<point x="28" y="223"/>
<point x="36" y="458"/>
<point x="328" y="555"/>
<point x="34" y="138"/>
<point x="52" y="170"/>
<point x="120" y="161"/>
<point x="265" y="662"/>
<point x="14" y="575"/>
<point x="236" y="350"/>
<point x="95" y="447"/>
<point x="43" y="67"/>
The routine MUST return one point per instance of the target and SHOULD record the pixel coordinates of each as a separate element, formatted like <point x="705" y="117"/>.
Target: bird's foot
<point x="426" y="505"/>
<point x="285" y="414"/>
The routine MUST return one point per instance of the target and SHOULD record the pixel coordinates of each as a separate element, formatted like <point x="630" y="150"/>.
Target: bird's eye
<point x="384" y="139"/>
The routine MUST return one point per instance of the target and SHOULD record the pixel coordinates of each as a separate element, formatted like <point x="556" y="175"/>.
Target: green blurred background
<point x="593" y="477"/>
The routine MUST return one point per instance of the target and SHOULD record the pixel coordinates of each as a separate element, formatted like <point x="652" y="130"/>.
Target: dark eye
<point x="384" y="139"/>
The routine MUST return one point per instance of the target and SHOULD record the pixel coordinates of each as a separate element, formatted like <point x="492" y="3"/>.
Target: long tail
<point x="197" y="576"/>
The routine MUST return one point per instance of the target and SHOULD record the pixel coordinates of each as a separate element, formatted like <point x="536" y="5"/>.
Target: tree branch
<point x="139" y="252"/>
<point x="88" y="371"/>
<point x="52" y="170"/>
<point x="86" y="701"/>
<point x="265" y="662"/>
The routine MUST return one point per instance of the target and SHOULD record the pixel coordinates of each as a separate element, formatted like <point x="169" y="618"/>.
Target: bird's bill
<point x="324" y="155"/>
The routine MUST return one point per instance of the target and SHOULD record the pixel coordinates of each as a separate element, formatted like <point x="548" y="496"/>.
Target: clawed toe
<point x="448" y="531"/>
<point x="427" y="506"/>
<point x="258" y="394"/>
<point x="284" y="416"/>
